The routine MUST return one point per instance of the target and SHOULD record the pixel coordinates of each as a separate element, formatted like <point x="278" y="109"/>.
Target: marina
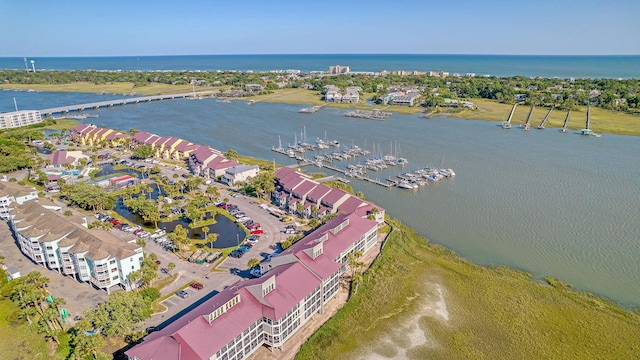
<point x="359" y="170"/>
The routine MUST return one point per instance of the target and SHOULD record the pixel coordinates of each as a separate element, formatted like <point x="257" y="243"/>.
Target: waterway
<point x="553" y="204"/>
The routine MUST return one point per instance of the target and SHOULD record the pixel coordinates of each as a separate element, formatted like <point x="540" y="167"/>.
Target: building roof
<point x="13" y="189"/>
<point x="34" y="220"/>
<point x="60" y="158"/>
<point x="238" y="169"/>
<point x="334" y="196"/>
<point x="194" y="337"/>
<point x="305" y="187"/>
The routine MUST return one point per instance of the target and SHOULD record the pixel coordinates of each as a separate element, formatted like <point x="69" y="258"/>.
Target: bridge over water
<point x="117" y="102"/>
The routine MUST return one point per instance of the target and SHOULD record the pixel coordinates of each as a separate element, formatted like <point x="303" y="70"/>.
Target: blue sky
<point x="141" y="27"/>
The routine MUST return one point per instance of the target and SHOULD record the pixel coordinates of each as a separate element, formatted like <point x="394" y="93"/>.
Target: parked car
<point x="158" y="262"/>
<point x="253" y="226"/>
<point x="257" y="232"/>
<point x="236" y="254"/>
<point x="244" y="248"/>
<point x="243" y="219"/>
<point x="197" y="285"/>
<point x="253" y="238"/>
<point x="183" y="294"/>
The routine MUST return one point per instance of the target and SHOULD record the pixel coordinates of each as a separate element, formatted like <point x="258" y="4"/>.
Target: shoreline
<point x="426" y="301"/>
<point x="602" y="120"/>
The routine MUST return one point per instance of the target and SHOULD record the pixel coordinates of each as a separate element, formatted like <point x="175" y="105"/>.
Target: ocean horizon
<point x="562" y="66"/>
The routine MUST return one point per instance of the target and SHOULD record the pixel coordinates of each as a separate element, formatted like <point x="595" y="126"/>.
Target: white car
<point x="243" y="219"/>
<point x="177" y="168"/>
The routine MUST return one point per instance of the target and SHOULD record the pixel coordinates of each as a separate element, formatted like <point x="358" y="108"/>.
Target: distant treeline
<point x="564" y="93"/>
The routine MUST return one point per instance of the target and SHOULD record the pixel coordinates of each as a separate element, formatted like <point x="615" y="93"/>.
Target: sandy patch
<point x="399" y="342"/>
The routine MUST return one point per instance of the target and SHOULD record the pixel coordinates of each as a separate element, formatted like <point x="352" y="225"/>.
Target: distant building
<point x="239" y="173"/>
<point x="351" y="95"/>
<point x="338" y="69"/>
<point x="520" y="97"/>
<point x="254" y="87"/>
<point x="20" y="118"/>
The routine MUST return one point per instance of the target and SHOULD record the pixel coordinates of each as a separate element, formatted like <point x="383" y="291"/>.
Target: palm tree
<point x="205" y="230"/>
<point x="213" y="193"/>
<point x="253" y="262"/>
<point x="171" y="266"/>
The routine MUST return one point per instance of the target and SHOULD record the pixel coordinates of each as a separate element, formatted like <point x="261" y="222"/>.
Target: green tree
<point x="211" y="238"/>
<point x="231" y="154"/>
<point x="121" y="313"/>
<point x="89" y="197"/>
<point x="253" y="262"/>
<point x="143" y="151"/>
<point x="213" y="193"/>
<point x="179" y="237"/>
<point x="171" y="266"/>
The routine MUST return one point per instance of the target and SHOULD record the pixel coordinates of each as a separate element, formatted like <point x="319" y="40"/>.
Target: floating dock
<point x="310" y="110"/>
<point x="368" y="114"/>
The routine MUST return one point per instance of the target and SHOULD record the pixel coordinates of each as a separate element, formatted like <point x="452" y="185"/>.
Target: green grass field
<point x="19" y="340"/>
<point x="493" y="313"/>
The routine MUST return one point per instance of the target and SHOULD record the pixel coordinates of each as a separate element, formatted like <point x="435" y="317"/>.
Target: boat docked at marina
<point x="406" y="185"/>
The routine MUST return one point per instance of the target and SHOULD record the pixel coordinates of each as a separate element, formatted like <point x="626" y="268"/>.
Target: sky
<point x="45" y="28"/>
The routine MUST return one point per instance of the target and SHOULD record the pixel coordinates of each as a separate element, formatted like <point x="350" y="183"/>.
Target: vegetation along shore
<point x="421" y="301"/>
<point x="615" y="103"/>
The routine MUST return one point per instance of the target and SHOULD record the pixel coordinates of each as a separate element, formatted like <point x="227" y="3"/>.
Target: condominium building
<point x="268" y="310"/>
<point x="12" y="193"/>
<point x="20" y="118"/>
<point x="62" y="244"/>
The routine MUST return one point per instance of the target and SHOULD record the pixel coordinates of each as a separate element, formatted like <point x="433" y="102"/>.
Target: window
<point x="49" y="247"/>
<point x="114" y="269"/>
<point x="52" y="255"/>
<point x="112" y="261"/>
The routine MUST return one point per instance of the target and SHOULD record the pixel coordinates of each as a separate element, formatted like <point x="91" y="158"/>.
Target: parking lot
<point x="80" y="296"/>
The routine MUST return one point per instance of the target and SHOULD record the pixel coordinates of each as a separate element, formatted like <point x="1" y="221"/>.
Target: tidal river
<point x="553" y="204"/>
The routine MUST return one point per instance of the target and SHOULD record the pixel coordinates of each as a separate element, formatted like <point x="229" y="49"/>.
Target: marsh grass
<point x="494" y="313"/>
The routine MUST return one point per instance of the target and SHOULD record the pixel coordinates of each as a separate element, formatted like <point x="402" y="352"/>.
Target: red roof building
<point x="268" y="310"/>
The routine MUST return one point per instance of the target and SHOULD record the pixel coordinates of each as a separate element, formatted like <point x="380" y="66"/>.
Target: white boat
<point x="405" y="185"/>
<point x="334" y="143"/>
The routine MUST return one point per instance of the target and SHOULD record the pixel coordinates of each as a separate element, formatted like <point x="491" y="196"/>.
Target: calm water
<point x="553" y="204"/>
<point x="497" y="65"/>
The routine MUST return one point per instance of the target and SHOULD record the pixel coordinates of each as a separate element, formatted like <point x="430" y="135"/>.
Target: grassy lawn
<point x="493" y="313"/>
<point x="602" y="120"/>
<point x="23" y="342"/>
<point x="62" y="125"/>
